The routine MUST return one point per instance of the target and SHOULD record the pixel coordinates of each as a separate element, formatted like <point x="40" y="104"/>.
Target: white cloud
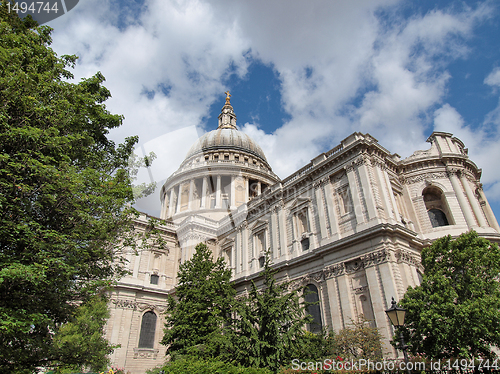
<point x="177" y="50"/>
<point x="341" y="68"/>
<point x="493" y="79"/>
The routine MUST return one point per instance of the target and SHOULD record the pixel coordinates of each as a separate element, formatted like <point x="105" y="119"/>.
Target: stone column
<point x="274" y="231"/>
<point x="378" y="296"/>
<point x="384" y="192"/>
<point x="218" y="193"/>
<point x="321" y="210"/>
<point x="237" y="252"/>
<point x="391" y="196"/>
<point x="259" y="188"/>
<point x="232" y="263"/>
<point x="464" y="205"/>
<point x="179" y="199"/>
<point x="332" y="215"/>
<point x="348" y="312"/>
<point x="246" y="189"/>
<point x="295" y="233"/>
<point x="489" y="213"/>
<point x="233" y="193"/>
<point x="311" y="229"/>
<point x="282" y="230"/>
<point x="244" y="248"/>
<point x="358" y="209"/>
<point x="204" y="193"/>
<point x="337" y="321"/>
<point x="367" y="190"/>
<point x="171" y="208"/>
<point x="191" y="191"/>
<point x="473" y="201"/>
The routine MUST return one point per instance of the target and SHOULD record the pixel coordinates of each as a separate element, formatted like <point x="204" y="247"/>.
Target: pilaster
<point x="204" y="193"/>
<point x="321" y="210"/>
<point x="191" y="189"/>
<point x="489" y="212"/>
<point x="464" y="205"/>
<point x="218" y="193"/>
<point x="171" y="208"/>
<point x="233" y="193"/>
<point x="358" y="209"/>
<point x="367" y="189"/>
<point x="332" y="215"/>
<point x="473" y="201"/>
<point x="179" y="198"/>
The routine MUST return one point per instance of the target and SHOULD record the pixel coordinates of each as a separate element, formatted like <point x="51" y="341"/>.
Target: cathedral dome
<point x="223" y="170"/>
<point x="226" y="138"/>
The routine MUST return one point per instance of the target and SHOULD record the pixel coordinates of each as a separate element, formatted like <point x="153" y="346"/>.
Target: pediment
<point x="257" y="224"/>
<point x="299" y="201"/>
<point x="226" y="242"/>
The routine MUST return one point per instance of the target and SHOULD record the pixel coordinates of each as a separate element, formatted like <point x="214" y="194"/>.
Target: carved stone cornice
<point x="408" y="258"/>
<point x="317" y="277"/>
<point x="321" y="182"/>
<point x="124" y="304"/>
<point x="335" y="270"/>
<point x="338" y="176"/>
<point x="424" y="177"/>
<point x="375" y="258"/>
<point x="349" y="167"/>
<point x="354" y="265"/>
<point x="146" y="353"/>
<point x="146" y="306"/>
<point x="134" y="305"/>
<point x="360" y="289"/>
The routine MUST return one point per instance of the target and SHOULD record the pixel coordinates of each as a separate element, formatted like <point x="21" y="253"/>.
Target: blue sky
<point x="303" y="74"/>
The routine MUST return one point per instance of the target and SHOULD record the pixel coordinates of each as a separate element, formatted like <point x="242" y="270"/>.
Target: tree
<point x="270" y="323"/>
<point x="207" y="366"/>
<point x="203" y="303"/>
<point x="359" y="341"/>
<point x="455" y="312"/>
<point x="65" y="194"/>
<point x="82" y="336"/>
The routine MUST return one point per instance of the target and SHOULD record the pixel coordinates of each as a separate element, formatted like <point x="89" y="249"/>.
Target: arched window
<point x="438" y="218"/>
<point x="311" y="296"/>
<point x="148" y="328"/>
<point x="437" y="208"/>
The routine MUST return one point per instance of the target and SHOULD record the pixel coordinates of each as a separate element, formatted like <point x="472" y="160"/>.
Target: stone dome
<point x="226" y="138"/>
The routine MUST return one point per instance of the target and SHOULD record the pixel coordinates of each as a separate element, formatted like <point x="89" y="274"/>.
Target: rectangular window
<point x="154" y="279"/>
<point x="346" y="202"/>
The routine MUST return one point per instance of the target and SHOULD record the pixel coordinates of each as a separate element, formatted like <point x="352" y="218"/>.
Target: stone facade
<point x="351" y="224"/>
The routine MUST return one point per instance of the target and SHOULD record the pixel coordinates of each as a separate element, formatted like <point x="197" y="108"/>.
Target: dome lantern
<point x="227" y="118"/>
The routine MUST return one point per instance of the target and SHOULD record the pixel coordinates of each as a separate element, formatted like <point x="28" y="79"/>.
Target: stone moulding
<point x="354" y="265"/>
<point x="149" y="353"/>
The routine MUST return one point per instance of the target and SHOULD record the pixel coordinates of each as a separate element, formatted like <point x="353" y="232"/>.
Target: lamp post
<point x="397" y="316"/>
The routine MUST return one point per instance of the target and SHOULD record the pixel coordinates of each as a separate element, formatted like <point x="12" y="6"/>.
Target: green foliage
<point x="203" y="304"/>
<point x="82" y="337"/>
<point x="269" y="326"/>
<point x="455" y="312"/>
<point x="190" y="366"/>
<point x="318" y="346"/>
<point x="360" y="340"/>
<point x="65" y="195"/>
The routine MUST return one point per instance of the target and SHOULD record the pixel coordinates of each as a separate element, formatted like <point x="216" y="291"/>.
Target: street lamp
<point x="397" y="316"/>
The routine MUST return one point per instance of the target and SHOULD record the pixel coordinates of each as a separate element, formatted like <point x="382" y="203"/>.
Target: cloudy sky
<point x="303" y="74"/>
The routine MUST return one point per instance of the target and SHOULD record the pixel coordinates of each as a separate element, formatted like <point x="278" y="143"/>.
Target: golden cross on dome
<point x="228" y="97"/>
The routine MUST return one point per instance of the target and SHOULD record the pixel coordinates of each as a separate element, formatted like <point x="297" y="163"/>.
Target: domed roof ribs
<point x="227" y="118"/>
